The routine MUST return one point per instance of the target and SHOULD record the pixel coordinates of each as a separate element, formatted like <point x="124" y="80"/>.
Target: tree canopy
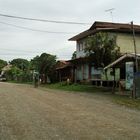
<point x="44" y="64"/>
<point x="102" y="48"/>
<point x="73" y="55"/>
<point x="2" y="64"/>
<point x="20" y="63"/>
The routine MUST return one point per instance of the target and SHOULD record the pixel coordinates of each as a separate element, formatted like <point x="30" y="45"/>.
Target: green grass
<point x="77" y="87"/>
<point x="122" y="100"/>
<point x="127" y="101"/>
<point x="18" y="82"/>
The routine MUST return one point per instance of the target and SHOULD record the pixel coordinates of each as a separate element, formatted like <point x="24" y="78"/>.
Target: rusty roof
<point x="61" y="64"/>
<point x="126" y="57"/>
<point x="106" y="26"/>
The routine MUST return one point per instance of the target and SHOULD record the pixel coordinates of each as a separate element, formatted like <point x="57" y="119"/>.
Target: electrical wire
<point x="43" y="20"/>
<point x="16" y="50"/>
<point x="22" y="52"/>
<point x="36" y="30"/>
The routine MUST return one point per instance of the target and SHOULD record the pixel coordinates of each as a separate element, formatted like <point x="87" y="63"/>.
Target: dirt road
<point x="27" y="113"/>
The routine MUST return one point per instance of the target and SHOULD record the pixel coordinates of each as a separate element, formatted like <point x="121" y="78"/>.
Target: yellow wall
<point x="125" y="42"/>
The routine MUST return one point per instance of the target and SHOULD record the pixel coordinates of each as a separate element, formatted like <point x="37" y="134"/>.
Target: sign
<point x="137" y="80"/>
<point x="129" y="75"/>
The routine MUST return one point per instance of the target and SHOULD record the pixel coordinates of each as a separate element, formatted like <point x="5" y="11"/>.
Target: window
<point x="80" y="46"/>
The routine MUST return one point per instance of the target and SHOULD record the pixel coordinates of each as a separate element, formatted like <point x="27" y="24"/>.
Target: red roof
<point x="61" y="64"/>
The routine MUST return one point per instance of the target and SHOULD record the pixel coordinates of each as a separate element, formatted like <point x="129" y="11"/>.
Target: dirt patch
<point x="27" y="113"/>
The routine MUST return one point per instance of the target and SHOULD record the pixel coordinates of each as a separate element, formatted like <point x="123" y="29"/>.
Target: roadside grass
<point x="18" y="82"/>
<point x="126" y="101"/>
<point x="77" y="87"/>
<point x="123" y="100"/>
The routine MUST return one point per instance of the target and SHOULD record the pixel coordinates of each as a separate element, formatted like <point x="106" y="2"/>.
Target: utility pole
<point x="136" y="60"/>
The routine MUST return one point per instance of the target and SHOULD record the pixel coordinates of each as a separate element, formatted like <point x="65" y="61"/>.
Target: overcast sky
<point x="21" y="43"/>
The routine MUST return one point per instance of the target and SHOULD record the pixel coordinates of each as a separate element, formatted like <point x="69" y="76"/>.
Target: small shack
<point x="121" y="64"/>
<point x="64" y="71"/>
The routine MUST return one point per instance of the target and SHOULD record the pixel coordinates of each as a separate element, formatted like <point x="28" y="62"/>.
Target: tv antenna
<point x="111" y="12"/>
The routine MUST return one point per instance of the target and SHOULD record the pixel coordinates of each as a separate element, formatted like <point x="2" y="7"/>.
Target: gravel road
<point x="27" y="113"/>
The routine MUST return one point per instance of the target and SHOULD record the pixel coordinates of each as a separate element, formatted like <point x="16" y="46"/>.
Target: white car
<point x="2" y="78"/>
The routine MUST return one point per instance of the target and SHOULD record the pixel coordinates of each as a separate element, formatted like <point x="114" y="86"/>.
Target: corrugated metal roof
<point x="63" y="64"/>
<point x="126" y="56"/>
<point x="106" y="26"/>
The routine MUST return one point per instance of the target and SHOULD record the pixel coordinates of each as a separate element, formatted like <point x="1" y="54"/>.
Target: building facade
<point x="85" y="70"/>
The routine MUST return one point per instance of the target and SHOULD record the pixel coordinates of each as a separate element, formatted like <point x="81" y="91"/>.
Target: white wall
<point x="80" y="46"/>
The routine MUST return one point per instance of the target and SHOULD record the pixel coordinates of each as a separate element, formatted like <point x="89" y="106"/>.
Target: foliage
<point x="45" y="65"/>
<point x="73" y="55"/>
<point x="19" y="75"/>
<point x="20" y="63"/>
<point x="2" y="64"/>
<point x="13" y="73"/>
<point x="35" y="63"/>
<point x="102" y="48"/>
<point x="20" y="71"/>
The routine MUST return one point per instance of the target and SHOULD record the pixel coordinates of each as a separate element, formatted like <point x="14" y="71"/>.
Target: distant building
<point x="6" y="68"/>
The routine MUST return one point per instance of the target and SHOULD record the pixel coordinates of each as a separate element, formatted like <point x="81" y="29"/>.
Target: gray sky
<point x="20" y="43"/>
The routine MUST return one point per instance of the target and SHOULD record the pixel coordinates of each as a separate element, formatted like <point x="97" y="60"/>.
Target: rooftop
<point x="106" y="26"/>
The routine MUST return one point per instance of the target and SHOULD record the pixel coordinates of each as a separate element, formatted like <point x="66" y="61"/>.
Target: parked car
<point x="2" y="78"/>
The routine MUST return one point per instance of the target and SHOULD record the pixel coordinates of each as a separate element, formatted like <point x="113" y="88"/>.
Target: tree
<point x="35" y="63"/>
<point x="13" y="73"/>
<point x="73" y="55"/>
<point x="45" y="65"/>
<point x="2" y="64"/>
<point x="102" y="48"/>
<point x="20" y="63"/>
<point x="20" y="70"/>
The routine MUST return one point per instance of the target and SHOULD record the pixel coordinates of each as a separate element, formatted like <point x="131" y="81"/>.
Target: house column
<point x="82" y="71"/>
<point x="89" y="71"/>
<point x="59" y="75"/>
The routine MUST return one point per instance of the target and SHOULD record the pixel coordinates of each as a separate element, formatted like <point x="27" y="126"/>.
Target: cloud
<point x="12" y="38"/>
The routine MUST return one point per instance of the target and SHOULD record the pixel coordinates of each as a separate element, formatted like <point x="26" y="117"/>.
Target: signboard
<point x="137" y="80"/>
<point x="129" y="75"/>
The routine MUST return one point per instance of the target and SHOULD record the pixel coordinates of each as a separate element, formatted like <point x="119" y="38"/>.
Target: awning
<point x="125" y="58"/>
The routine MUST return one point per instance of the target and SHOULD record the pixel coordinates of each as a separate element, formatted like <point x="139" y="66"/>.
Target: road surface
<point x="27" y="113"/>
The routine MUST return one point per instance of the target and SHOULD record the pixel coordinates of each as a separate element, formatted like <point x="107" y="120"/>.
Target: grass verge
<point x="103" y="91"/>
<point x="18" y="82"/>
<point x="127" y="101"/>
<point x="77" y="87"/>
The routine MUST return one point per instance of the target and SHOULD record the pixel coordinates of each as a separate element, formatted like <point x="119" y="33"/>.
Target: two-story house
<point x="84" y="70"/>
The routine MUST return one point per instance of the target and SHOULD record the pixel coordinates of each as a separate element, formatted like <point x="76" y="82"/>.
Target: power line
<point x="44" y="20"/>
<point x="23" y="52"/>
<point x="15" y="50"/>
<point x="36" y="30"/>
